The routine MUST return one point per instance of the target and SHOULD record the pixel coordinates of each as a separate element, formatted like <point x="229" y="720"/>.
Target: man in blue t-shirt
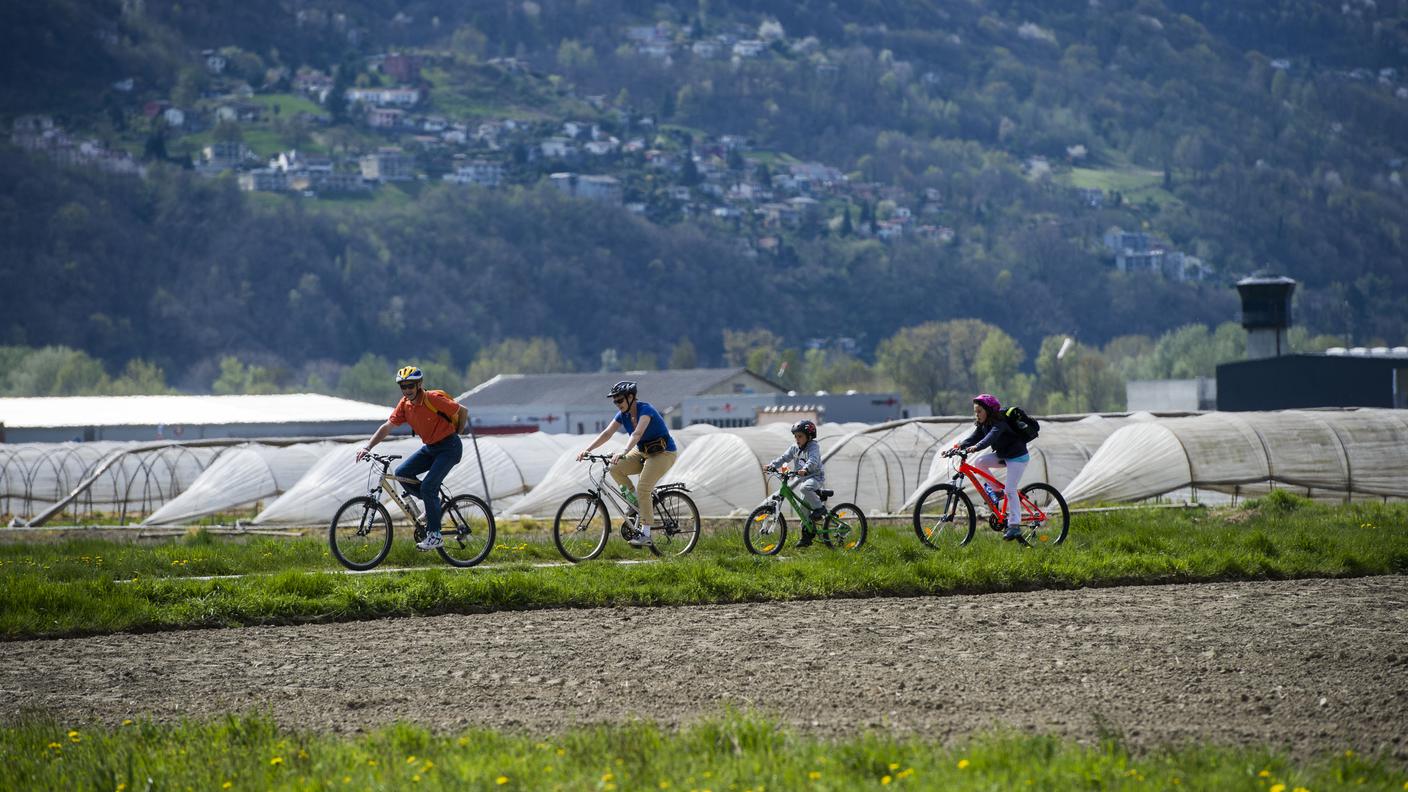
<point x="651" y="451"/>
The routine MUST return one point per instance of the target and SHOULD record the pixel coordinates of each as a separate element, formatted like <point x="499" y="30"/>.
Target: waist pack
<point x="1023" y="425"/>
<point x="653" y="447"/>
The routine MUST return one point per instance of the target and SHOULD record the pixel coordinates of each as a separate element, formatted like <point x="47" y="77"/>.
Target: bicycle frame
<point x="999" y="511"/>
<point x="387" y="481"/>
<point x="786" y="493"/>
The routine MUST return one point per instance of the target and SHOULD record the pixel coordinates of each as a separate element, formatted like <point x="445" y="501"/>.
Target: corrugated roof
<point x="49" y="411"/>
<point x="663" y="389"/>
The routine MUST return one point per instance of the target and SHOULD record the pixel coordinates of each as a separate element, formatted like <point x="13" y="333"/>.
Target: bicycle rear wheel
<point x="765" y="530"/>
<point x="360" y="533"/>
<point x="1045" y="518"/>
<point x="581" y="527"/>
<point x="944" y="517"/>
<point x="468" y="531"/>
<point x="845" y="527"/>
<point x="676" y="529"/>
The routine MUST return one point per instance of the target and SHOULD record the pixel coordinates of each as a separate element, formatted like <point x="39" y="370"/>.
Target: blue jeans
<point x="435" y="461"/>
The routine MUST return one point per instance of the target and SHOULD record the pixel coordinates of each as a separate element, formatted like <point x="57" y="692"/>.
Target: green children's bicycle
<point x="765" y="531"/>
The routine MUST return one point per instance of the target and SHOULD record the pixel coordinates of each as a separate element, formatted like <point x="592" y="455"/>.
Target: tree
<point x="370" y="379"/>
<point x="517" y="356"/>
<point x="998" y="369"/>
<point x="744" y="348"/>
<point x="935" y="362"/>
<point x="237" y="378"/>
<point x="683" y="355"/>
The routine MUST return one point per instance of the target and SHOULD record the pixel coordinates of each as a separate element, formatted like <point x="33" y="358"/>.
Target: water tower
<point x="1266" y="314"/>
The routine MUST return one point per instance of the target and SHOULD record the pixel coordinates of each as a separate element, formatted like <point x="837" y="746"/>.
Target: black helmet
<point x="623" y="388"/>
<point x="806" y="427"/>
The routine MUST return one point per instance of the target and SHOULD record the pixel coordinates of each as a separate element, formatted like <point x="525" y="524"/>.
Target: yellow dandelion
<point x="371" y="763"/>
<point x="462" y="742"/>
<point x="1278" y="788"/>
<point x="410" y="760"/>
<point x="347" y="779"/>
<point x="277" y="760"/>
<point x="501" y="780"/>
<point x="1303" y="789"/>
<point x="609" y="787"/>
<point x="73" y="736"/>
<point x="664" y="784"/>
<point x="121" y="787"/>
<point x="607" y="777"/>
<point x="302" y="754"/>
<point x="415" y="778"/>
<point x="425" y="768"/>
<point x="885" y="780"/>
<point x="906" y="773"/>
<point x="55" y="746"/>
<point x="127" y="722"/>
<point x="1265" y="774"/>
<point x="227" y="785"/>
<point x="963" y="764"/>
<point x="1349" y="754"/>
<point x="894" y="766"/>
<point x="814" y="775"/>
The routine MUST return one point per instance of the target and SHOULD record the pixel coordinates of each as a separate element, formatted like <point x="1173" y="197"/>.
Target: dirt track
<point x="1311" y="665"/>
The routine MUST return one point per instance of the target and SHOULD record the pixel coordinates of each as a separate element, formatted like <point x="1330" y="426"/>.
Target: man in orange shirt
<point x="437" y="420"/>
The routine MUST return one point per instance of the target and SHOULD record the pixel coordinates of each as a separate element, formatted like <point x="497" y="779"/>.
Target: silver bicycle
<point x="360" y="533"/>
<point x="583" y="522"/>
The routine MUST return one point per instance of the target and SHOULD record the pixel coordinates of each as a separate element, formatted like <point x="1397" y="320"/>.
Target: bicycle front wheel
<point x="944" y="517"/>
<point x="360" y="533"/>
<point x="581" y="527"/>
<point x="1045" y="518"/>
<point x="765" y="530"/>
<point x="845" y="527"/>
<point x="676" y="530"/>
<point x="468" y="531"/>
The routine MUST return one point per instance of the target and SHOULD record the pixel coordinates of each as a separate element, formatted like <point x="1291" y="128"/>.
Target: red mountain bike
<point x="944" y="515"/>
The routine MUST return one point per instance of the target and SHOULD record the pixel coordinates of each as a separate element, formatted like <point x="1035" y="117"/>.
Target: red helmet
<point x="989" y="403"/>
<point x="806" y="427"/>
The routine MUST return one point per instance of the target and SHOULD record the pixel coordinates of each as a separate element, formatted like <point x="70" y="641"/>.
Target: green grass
<point x="90" y="586"/>
<point x="1135" y="184"/>
<point x="732" y="752"/>
<point x="289" y="104"/>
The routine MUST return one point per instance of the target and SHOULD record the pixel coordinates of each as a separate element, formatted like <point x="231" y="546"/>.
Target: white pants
<point x="807" y="489"/>
<point x="987" y="462"/>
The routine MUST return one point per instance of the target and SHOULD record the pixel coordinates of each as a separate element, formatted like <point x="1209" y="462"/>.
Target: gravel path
<point x="1311" y="665"/>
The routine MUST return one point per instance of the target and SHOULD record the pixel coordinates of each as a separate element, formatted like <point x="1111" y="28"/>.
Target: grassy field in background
<point x="733" y="752"/>
<point x="1135" y="184"/>
<point x="87" y="586"/>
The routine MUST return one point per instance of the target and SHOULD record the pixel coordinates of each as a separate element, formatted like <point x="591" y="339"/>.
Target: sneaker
<point x="430" y="542"/>
<point x="818" y="515"/>
<point x="1013" y="532"/>
<point x="806" y="540"/>
<point x="642" y="538"/>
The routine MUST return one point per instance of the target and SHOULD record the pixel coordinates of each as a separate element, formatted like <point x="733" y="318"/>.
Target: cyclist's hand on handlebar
<point x="363" y="453"/>
<point x="582" y="455"/>
<point x="770" y="468"/>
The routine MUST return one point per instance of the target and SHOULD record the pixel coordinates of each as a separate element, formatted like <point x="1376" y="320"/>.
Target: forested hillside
<point x="987" y="150"/>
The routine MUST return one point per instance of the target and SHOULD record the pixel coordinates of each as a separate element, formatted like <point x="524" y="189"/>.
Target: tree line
<point x="940" y="364"/>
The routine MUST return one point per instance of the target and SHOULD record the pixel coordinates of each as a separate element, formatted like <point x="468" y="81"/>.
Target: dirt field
<point x="1317" y="665"/>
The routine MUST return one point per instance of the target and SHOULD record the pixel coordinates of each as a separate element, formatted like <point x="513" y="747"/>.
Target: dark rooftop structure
<point x="1333" y="380"/>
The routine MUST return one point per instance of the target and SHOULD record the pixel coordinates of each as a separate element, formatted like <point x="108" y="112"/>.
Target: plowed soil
<point x="1311" y="666"/>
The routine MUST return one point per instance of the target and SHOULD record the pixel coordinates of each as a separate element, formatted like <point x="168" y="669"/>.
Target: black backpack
<point x="1023" y="425"/>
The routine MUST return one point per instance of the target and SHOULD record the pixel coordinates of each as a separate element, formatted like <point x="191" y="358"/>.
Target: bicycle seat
<point x="824" y="494"/>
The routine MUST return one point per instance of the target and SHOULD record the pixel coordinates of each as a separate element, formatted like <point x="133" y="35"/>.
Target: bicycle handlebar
<point x="596" y="458"/>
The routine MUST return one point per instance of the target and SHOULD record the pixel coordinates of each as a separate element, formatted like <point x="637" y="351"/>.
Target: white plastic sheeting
<point x="567" y="476"/>
<point x="513" y="464"/>
<point x="131" y="478"/>
<point x="1330" y="454"/>
<point x="241" y="477"/>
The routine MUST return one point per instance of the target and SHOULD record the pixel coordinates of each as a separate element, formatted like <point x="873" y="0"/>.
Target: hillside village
<point x="618" y="155"/>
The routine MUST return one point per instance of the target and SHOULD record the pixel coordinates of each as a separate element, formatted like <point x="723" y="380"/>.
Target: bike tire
<point x="360" y="533"/>
<point x="765" y="531"/>
<point x="676" y="529"/>
<point x="944" y="517"/>
<point x="580" y="528"/>
<point x="468" y="531"/>
<point x="845" y="527"/>
<point x="1054" y="528"/>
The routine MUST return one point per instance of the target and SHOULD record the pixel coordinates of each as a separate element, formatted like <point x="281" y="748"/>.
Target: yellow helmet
<point x="409" y="374"/>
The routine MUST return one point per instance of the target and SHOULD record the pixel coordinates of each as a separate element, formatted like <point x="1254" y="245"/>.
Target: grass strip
<point x="733" y="752"/>
<point x="72" y="587"/>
